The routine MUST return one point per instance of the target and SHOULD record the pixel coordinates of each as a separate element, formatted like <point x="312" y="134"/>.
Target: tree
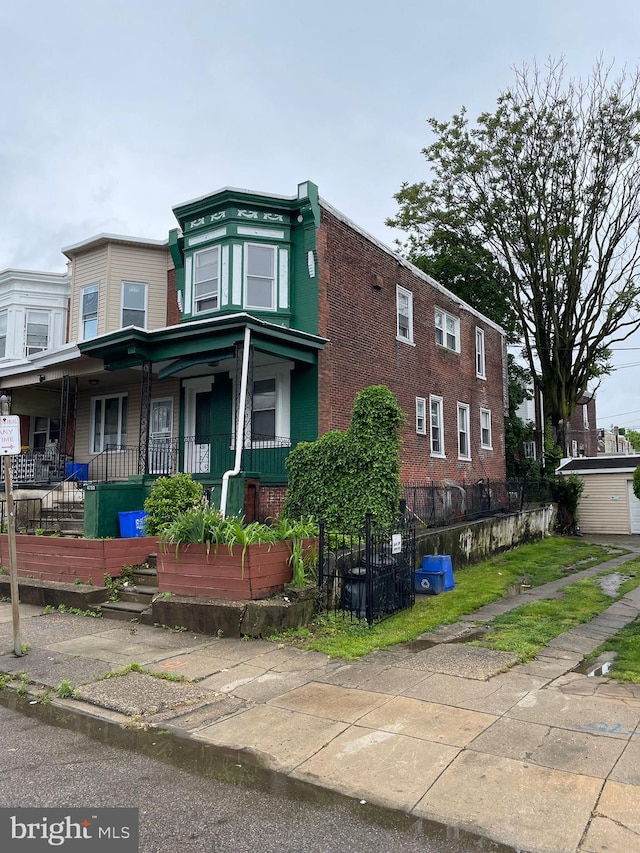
<point x="633" y="436"/>
<point x="549" y="184"/>
<point x="465" y="267"/>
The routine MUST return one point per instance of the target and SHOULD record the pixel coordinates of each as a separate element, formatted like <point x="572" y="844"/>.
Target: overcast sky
<point x="115" y="111"/>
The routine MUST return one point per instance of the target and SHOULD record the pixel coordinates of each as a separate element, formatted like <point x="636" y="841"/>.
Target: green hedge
<point x="344" y="475"/>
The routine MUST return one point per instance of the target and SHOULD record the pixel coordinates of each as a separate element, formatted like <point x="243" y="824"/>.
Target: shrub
<point x="170" y="496"/>
<point x="344" y="475"/>
<point x="566" y="492"/>
<point x="636" y="482"/>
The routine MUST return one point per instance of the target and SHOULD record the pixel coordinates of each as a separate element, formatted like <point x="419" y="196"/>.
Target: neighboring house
<point x="581" y="434"/>
<point x="33" y="321"/>
<point x="610" y="441"/>
<point x="280" y="309"/>
<point x="608" y="504"/>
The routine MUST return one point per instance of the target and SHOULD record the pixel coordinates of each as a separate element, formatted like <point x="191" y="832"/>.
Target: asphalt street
<point x="45" y="766"/>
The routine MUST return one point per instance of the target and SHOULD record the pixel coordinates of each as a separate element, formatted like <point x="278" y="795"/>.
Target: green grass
<point x="626" y="645"/>
<point x="477" y="585"/>
<point x="529" y="628"/>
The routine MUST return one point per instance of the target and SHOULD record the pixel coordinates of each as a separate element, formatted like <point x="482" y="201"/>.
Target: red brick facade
<point x="358" y="315"/>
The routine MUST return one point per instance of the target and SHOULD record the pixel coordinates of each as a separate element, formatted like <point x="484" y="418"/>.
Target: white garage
<point x="608" y="504"/>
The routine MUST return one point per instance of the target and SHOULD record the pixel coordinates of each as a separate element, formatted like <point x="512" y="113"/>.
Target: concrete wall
<point x="480" y="540"/>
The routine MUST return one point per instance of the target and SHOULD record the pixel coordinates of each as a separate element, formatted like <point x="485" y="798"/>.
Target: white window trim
<point x="464" y="407"/>
<point x="421" y="416"/>
<point x="440" y="407"/>
<point x="483" y="444"/>
<point x="89" y="287"/>
<point x="481" y="368"/>
<point x="35" y="350"/>
<point x="217" y="292"/>
<point x="409" y="338"/>
<point x="282" y="374"/>
<point x="274" y="280"/>
<point x="92" y="411"/>
<point x="146" y="301"/>
<point x="443" y="329"/>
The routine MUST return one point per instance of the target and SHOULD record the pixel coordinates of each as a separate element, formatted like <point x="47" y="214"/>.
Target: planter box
<point x="52" y="558"/>
<point x="219" y="574"/>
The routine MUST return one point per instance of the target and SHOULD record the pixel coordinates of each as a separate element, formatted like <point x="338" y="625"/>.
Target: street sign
<point x="9" y="435"/>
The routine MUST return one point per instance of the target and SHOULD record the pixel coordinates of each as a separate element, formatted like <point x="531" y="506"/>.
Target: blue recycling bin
<point x="132" y="524"/>
<point x="77" y="470"/>
<point x="428" y="582"/>
<point x="440" y="563"/>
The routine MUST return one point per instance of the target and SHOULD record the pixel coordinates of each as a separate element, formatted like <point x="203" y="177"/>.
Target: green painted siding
<point x="304" y="403"/>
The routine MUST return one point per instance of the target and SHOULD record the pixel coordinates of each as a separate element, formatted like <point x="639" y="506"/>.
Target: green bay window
<point x="206" y="280"/>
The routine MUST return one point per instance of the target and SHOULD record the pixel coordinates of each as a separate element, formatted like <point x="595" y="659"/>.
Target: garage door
<point x="634" y="509"/>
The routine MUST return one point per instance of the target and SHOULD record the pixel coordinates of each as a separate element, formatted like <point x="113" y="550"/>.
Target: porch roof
<point x="199" y="342"/>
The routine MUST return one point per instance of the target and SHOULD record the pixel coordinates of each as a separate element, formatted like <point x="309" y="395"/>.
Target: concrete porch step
<point x="124" y="611"/>
<point x="138" y="594"/>
<point x="146" y="577"/>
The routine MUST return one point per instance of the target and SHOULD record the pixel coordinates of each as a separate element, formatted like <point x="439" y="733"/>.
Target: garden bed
<point x="69" y="560"/>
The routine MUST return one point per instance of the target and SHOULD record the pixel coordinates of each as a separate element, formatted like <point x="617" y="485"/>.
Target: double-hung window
<point x="260" y="277"/>
<point x="404" y="315"/>
<point x="421" y="416"/>
<point x="437" y="426"/>
<point x="206" y="280"/>
<point x="263" y="416"/>
<point x="447" y="330"/>
<point x="134" y="304"/>
<point x="108" y="423"/>
<point x="37" y="338"/>
<point x="89" y="312"/>
<point x="485" y="429"/>
<point x="480" y="362"/>
<point x="464" y="442"/>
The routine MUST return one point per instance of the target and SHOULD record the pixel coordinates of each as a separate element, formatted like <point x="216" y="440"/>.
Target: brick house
<point x="280" y="309"/>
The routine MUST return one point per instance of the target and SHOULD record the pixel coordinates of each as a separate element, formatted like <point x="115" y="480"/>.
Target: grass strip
<point x="476" y="585"/>
<point x="531" y="627"/>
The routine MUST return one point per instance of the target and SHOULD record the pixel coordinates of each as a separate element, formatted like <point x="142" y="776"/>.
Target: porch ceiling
<point x="199" y="342"/>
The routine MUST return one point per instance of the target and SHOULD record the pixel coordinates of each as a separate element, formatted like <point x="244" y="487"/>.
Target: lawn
<point x="477" y="585"/>
<point x="529" y="628"/>
<point x="626" y="645"/>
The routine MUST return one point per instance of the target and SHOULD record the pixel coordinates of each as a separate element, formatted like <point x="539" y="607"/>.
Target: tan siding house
<point x="608" y="504"/>
<point x="130" y="273"/>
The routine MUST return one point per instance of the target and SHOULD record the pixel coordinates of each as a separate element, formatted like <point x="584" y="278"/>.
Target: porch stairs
<point x="134" y="601"/>
<point x="70" y="523"/>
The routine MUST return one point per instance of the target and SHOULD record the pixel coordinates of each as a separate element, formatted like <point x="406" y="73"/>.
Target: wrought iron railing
<point x="369" y="576"/>
<point x="440" y="504"/>
<point x="60" y="510"/>
<point x="212" y="454"/>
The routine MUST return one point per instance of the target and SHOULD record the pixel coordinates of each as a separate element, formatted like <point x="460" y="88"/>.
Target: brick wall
<point x="173" y="312"/>
<point x="357" y="279"/>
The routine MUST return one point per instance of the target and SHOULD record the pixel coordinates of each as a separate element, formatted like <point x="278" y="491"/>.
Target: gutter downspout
<point x="242" y="402"/>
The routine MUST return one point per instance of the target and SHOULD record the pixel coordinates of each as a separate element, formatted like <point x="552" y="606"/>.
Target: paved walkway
<point x="537" y="757"/>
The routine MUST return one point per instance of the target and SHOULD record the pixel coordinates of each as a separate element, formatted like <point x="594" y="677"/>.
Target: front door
<point x="197" y="425"/>
<point x="161" y="455"/>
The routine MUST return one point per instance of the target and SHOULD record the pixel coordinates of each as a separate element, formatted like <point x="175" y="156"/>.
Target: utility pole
<point x="10" y="446"/>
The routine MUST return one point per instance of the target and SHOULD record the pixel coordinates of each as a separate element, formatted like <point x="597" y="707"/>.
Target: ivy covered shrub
<point x="343" y="475"/>
<point x="566" y="492"/>
<point x="169" y="497"/>
<point x="636" y="482"/>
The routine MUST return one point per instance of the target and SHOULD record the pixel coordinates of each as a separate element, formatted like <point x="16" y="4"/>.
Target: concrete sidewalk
<point x="537" y="757"/>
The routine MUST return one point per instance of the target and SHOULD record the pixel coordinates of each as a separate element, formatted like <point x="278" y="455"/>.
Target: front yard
<point x="477" y="585"/>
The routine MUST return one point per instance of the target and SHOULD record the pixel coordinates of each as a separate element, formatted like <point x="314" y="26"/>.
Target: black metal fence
<point x="369" y="576"/>
<point x="212" y="454"/>
<point x="439" y="504"/>
<point x="60" y="510"/>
